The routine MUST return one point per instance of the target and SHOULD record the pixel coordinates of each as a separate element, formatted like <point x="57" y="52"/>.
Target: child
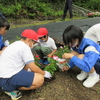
<point x="93" y="33"/>
<point x="4" y="26"/>
<point x="46" y="46"/>
<point x="85" y="55"/>
<point x="14" y="63"/>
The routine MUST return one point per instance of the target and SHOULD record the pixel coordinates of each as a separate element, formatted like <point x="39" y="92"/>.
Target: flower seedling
<point x="52" y="67"/>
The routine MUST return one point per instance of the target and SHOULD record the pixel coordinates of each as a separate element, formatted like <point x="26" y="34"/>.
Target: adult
<point x="68" y="6"/>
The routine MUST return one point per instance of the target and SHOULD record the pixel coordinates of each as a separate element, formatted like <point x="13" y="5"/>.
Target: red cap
<point x="28" y="33"/>
<point x="42" y="32"/>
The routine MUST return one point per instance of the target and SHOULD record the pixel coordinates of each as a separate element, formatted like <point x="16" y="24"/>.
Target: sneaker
<point x="83" y="75"/>
<point x="91" y="81"/>
<point x="15" y="95"/>
<point x="41" y="61"/>
<point x="46" y="62"/>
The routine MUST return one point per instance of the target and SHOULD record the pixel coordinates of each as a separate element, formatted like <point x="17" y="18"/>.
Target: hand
<point x="47" y="74"/>
<point x="49" y="55"/>
<point x="65" y="68"/>
<point x="6" y="43"/>
<point x="67" y="55"/>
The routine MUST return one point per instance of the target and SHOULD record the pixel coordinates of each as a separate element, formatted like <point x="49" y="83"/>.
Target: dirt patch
<point x="65" y="86"/>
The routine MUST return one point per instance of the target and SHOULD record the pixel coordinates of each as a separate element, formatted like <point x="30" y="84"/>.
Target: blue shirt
<point x="1" y="42"/>
<point x="90" y="56"/>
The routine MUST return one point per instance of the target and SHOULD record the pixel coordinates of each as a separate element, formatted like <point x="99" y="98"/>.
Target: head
<point x="30" y="37"/>
<point x="4" y="26"/>
<point x="42" y="34"/>
<point x="72" y="36"/>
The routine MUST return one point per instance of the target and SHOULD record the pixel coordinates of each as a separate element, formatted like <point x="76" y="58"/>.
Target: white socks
<point x="93" y="74"/>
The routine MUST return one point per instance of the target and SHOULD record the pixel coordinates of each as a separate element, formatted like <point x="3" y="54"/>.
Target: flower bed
<point x="94" y="14"/>
<point x="52" y="67"/>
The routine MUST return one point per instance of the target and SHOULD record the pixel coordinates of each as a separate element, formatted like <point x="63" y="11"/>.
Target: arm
<point x="52" y="46"/>
<point x="68" y="56"/>
<point x="52" y="53"/>
<point x="34" y="68"/>
<point x="90" y="57"/>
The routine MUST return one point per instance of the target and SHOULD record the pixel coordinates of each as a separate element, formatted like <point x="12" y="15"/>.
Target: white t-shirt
<point x="93" y="33"/>
<point x="14" y="58"/>
<point x="50" y="43"/>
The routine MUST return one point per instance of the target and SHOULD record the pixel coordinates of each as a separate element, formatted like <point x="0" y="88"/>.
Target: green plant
<point x="61" y="51"/>
<point x="52" y="67"/>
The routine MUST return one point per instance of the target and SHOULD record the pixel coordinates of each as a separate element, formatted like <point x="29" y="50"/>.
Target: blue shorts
<point x="21" y="79"/>
<point x="97" y="67"/>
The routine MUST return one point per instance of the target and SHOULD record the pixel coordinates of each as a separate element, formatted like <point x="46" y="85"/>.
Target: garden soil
<point x="64" y="86"/>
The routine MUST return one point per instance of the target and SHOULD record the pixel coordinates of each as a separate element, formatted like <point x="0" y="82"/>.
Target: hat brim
<point x="41" y="35"/>
<point x="35" y="41"/>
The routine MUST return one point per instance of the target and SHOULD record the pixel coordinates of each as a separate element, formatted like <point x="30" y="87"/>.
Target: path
<point x="55" y="29"/>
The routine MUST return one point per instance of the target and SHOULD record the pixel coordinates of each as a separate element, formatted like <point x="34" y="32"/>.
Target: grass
<point x="31" y="22"/>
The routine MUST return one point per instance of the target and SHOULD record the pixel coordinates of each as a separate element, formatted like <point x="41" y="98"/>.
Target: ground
<point x="65" y="86"/>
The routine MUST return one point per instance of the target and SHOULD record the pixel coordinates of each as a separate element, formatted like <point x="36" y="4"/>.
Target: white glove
<point x="6" y="43"/>
<point x="47" y="74"/>
<point x="29" y="70"/>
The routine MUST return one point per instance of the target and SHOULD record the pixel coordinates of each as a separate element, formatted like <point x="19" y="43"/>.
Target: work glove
<point x="47" y="74"/>
<point x="6" y="43"/>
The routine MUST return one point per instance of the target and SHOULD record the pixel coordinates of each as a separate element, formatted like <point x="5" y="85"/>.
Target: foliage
<point x="89" y="4"/>
<point x="41" y="9"/>
<point x="61" y="51"/>
<point x="52" y="67"/>
<point x="28" y="9"/>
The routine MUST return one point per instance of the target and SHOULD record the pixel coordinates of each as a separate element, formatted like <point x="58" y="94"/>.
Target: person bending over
<point x="85" y="55"/>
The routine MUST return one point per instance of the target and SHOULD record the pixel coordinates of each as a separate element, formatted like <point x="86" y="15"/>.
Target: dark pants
<point x="68" y="6"/>
<point x="42" y="51"/>
<point x="97" y="67"/>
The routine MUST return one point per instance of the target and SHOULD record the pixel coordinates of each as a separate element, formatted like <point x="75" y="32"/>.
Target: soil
<point x="65" y="86"/>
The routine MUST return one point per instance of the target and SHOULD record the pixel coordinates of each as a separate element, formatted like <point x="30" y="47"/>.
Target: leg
<point x="92" y="76"/>
<point x="65" y="11"/>
<point x="92" y="79"/>
<point x="83" y="75"/>
<point x="37" y="82"/>
<point x="39" y="52"/>
<point x="46" y="51"/>
<point x="70" y="9"/>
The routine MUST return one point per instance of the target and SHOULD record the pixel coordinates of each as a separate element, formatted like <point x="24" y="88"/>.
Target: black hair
<point x="71" y="33"/>
<point x="4" y="23"/>
<point x="44" y="36"/>
<point x="24" y="38"/>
